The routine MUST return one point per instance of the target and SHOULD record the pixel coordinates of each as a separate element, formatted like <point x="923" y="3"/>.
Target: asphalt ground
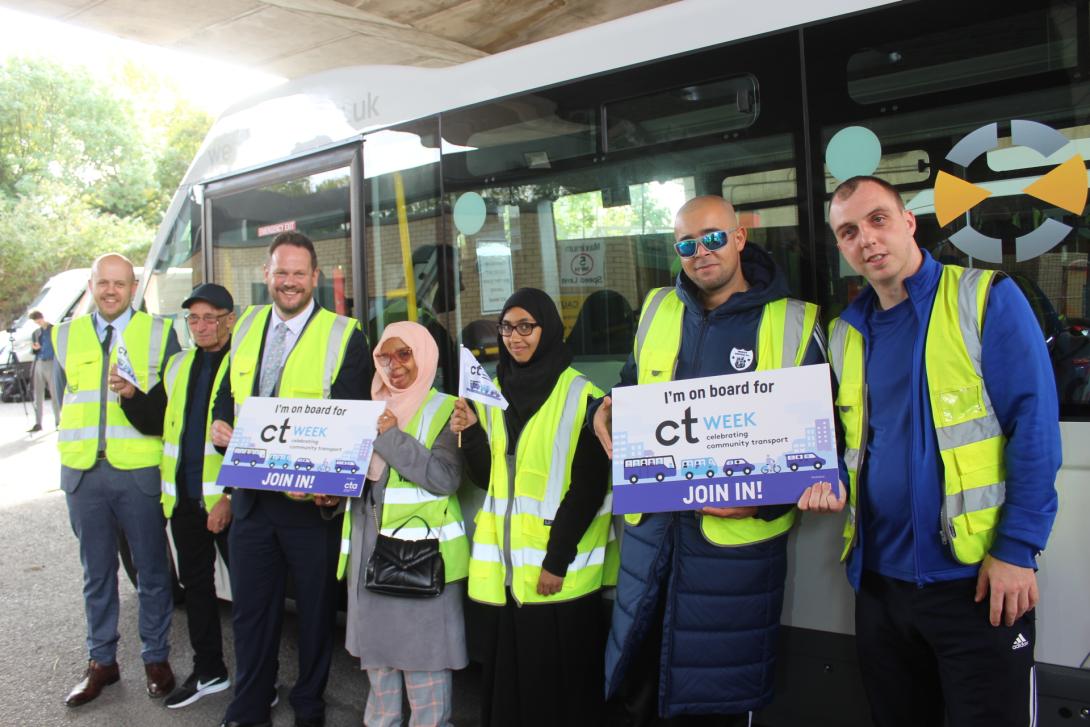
<point x="43" y="631"/>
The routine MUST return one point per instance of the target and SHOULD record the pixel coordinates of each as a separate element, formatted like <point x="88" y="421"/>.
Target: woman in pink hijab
<point x="411" y="483"/>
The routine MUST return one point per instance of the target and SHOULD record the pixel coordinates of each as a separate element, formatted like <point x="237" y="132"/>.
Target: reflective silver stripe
<point x="333" y="352"/>
<point x="62" y="343"/>
<point x="450" y="531"/>
<point x="209" y="448"/>
<point x="241" y="329"/>
<point x="173" y="367"/>
<point x="837" y="343"/>
<point x="534" y="557"/>
<point x="974" y="430"/>
<point x="211" y="488"/>
<point x="170" y="449"/>
<point x="346" y="546"/>
<point x="155" y="351"/>
<point x="648" y="316"/>
<point x="967" y="318"/>
<point x="975" y="498"/>
<point x="409" y="496"/>
<point x="558" y="468"/>
<point x="170" y="488"/>
<point x="793" y="321"/>
<point x="851" y="459"/>
<point x="87" y="396"/>
<point x="114" y="432"/>
<point x="486" y="553"/>
<point x="428" y="416"/>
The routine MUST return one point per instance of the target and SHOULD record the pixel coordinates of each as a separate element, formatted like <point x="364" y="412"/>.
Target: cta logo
<point x="1064" y="187"/>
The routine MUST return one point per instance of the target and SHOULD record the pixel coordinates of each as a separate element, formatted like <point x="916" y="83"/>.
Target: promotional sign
<point x="474" y="382"/>
<point x="314" y="446"/>
<point x="759" y="438"/>
<point x="124" y="365"/>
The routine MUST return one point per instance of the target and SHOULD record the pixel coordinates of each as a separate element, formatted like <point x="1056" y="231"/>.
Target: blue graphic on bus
<point x="304" y="464"/>
<point x="478" y="387"/>
<point x="803" y="459"/>
<point x="648" y="468"/>
<point x="702" y="467"/>
<point x="252" y="457"/>
<point x="280" y="460"/>
<point x="346" y="465"/>
<point x="737" y="465"/>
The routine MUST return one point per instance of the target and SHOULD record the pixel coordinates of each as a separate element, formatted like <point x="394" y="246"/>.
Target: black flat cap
<point x="216" y="295"/>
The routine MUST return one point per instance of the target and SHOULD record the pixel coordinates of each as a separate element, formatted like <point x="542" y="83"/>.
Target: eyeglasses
<point x="524" y="328"/>
<point x="210" y="318"/>
<point x="403" y="355"/>
<point x="711" y="242"/>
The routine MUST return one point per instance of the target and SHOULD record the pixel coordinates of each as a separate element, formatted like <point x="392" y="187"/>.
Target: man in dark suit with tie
<point x="291" y="349"/>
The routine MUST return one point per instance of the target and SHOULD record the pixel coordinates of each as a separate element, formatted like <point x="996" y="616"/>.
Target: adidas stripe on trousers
<point x="926" y="651"/>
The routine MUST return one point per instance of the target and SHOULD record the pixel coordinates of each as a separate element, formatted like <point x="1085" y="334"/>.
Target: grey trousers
<point x="103" y="501"/>
<point x="43" y="377"/>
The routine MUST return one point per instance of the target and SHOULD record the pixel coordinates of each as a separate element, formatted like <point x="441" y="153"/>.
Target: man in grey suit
<point x="110" y="473"/>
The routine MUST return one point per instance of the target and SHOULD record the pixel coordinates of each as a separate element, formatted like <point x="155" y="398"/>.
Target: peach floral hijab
<point x="404" y="403"/>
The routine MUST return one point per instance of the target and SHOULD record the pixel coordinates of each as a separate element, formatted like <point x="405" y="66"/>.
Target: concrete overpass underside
<point x="296" y="37"/>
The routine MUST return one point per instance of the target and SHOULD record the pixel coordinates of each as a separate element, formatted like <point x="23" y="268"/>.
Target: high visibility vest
<point x="80" y="352"/>
<point x="418" y="513"/>
<point x="513" y="524"/>
<point x="970" y="438"/>
<point x="312" y="365"/>
<point x="786" y="327"/>
<point x="176" y="383"/>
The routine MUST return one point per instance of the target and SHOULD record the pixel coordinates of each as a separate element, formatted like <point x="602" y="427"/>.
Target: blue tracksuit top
<point x="903" y="472"/>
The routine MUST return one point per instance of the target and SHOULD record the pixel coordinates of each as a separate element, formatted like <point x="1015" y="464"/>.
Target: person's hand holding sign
<point x="463" y="417"/>
<point x="820" y="498"/>
<point x="119" y="385"/>
<point x="221" y="433"/>
<point x="386" y="421"/>
<point x="603" y="425"/>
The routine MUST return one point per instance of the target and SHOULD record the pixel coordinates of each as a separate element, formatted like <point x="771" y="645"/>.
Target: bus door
<point x="314" y="195"/>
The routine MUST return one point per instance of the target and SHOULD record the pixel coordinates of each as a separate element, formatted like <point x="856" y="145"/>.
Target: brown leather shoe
<point x="95" y="679"/>
<point x="160" y="679"/>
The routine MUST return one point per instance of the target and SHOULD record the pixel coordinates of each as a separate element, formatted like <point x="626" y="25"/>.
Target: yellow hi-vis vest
<point x="80" y="353"/>
<point x="513" y="524"/>
<point x="970" y="439"/>
<point x="312" y="365"/>
<point x="418" y="513"/>
<point x="176" y="383"/>
<point x="787" y="325"/>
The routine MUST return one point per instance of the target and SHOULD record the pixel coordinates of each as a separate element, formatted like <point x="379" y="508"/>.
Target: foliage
<point x="86" y="167"/>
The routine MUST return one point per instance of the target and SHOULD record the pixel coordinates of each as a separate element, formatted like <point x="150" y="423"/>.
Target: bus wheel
<point x="688" y="475"/>
<point x="633" y="479"/>
<point x="660" y="477"/>
<point x="711" y="473"/>
<point x="794" y="468"/>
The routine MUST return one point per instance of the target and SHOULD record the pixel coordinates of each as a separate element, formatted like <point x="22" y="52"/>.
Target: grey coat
<point x="410" y="634"/>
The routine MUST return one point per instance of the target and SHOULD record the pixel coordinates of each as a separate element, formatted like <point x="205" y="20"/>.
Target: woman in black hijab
<point x="542" y="552"/>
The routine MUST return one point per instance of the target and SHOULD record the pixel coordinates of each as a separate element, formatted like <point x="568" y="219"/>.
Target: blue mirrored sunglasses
<point x="711" y="242"/>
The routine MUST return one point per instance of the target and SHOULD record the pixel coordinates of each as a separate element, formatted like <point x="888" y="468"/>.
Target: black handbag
<point x="405" y="568"/>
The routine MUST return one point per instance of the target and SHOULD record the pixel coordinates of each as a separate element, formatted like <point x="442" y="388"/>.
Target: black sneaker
<point x="194" y="688"/>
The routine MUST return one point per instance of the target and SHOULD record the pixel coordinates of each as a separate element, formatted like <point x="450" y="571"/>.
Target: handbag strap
<point x="369" y="493"/>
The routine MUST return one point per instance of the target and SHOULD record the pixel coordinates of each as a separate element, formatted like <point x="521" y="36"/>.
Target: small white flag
<point x="124" y="366"/>
<point x="474" y="382"/>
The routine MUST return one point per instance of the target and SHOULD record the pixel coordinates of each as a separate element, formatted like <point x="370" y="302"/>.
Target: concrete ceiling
<point x="296" y="37"/>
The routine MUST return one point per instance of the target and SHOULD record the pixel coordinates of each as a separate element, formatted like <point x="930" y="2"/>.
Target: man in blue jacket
<point x="694" y="628"/>
<point x="952" y="447"/>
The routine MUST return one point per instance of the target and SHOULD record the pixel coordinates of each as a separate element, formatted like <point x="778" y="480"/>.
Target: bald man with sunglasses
<point x="700" y="592"/>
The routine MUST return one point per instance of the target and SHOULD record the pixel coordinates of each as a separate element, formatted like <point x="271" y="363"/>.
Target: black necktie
<point x="107" y="339"/>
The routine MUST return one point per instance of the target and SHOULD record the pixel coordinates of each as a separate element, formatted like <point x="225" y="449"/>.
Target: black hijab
<point x="527" y="386"/>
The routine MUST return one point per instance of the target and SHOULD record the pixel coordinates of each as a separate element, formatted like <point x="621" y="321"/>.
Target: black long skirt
<point x="544" y="664"/>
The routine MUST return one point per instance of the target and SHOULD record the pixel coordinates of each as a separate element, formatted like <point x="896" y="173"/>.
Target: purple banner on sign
<point x="347" y="483"/>
<point x="756" y="489"/>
